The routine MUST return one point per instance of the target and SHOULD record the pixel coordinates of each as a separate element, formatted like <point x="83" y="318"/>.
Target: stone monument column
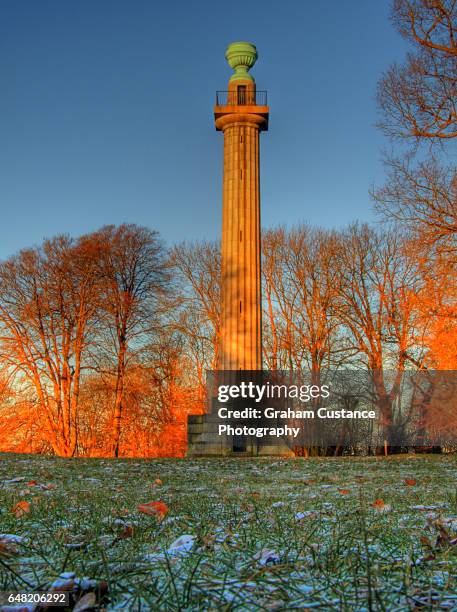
<point x="241" y="114"/>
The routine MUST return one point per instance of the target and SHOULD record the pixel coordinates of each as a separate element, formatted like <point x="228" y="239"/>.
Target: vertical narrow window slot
<point x="240" y="306"/>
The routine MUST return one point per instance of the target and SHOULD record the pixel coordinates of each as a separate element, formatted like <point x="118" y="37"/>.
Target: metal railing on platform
<point x="241" y="97"/>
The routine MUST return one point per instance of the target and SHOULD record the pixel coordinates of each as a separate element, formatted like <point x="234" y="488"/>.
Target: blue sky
<point x="106" y="112"/>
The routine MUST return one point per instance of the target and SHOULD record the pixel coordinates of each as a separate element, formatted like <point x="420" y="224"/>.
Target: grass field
<point x="232" y="534"/>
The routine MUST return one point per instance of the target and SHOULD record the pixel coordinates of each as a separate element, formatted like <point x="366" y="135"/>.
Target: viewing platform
<point x="242" y="101"/>
<point x="241" y="97"/>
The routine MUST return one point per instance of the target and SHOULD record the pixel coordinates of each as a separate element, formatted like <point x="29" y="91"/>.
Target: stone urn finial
<point x="241" y="56"/>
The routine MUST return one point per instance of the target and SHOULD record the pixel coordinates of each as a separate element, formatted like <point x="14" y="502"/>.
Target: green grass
<point x="343" y="554"/>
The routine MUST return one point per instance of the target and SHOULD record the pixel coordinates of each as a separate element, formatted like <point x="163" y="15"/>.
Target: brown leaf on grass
<point x="32" y="483"/>
<point x="87" y="602"/>
<point x="443" y="540"/>
<point x="49" y="487"/>
<point x="309" y="482"/>
<point x="8" y="550"/>
<point x="410" y="482"/>
<point x="344" y="491"/>
<point x="380" y="506"/>
<point x="246" y="507"/>
<point x="126" y="533"/>
<point x="378" y="503"/>
<point x="8" y="545"/>
<point x="157" y="481"/>
<point x="425" y="541"/>
<point x="158" y="509"/>
<point x="21" y="508"/>
<point x="66" y="581"/>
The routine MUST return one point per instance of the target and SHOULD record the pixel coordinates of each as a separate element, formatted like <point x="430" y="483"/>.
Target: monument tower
<point x="241" y="113"/>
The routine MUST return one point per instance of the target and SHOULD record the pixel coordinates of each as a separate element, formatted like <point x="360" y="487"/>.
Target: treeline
<point x="105" y="339"/>
<point x="86" y="358"/>
<point x="365" y="298"/>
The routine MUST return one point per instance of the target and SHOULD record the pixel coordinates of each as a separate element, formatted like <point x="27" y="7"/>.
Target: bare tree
<point x="419" y="101"/>
<point x="437" y="302"/>
<point x="419" y="98"/>
<point x="47" y="317"/>
<point x="133" y="280"/>
<point x="300" y="285"/>
<point x="198" y="276"/>
<point x="377" y="304"/>
<point x="281" y="346"/>
<point x="425" y="197"/>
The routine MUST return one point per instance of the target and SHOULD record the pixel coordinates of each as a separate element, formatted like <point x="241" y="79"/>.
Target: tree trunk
<point x="117" y="414"/>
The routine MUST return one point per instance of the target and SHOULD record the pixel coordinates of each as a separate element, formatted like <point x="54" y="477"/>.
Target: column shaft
<point x="241" y="337"/>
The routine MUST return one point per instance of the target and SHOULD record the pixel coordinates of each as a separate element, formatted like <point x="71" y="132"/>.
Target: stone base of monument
<point x="204" y="441"/>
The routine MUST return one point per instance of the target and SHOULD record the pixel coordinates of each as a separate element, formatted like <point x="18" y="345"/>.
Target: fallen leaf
<point x="8" y="543"/>
<point x="344" y="491"/>
<point x="410" y="482"/>
<point x="443" y="539"/>
<point x="379" y="503"/>
<point x="247" y="507"/>
<point x="126" y="533"/>
<point x="425" y="541"/>
<point x="157" y="481"/>
<point x="21" y="508"/>
<point x="158" y="509"/>
<point x="380" y="506"/>
<point x="32" y="483"/>
<point x="64" y="582"/>
<point x="86" y="602"/>
<point x="49" y="487"/>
